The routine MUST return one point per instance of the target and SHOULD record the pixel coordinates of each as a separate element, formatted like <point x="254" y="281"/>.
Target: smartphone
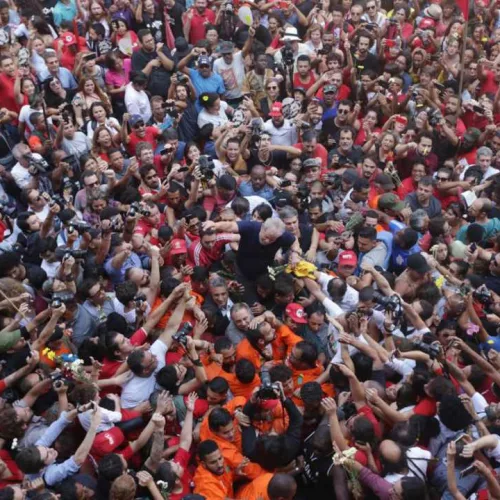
<point x="286" y="183"/>
<point x="478" y="109"/>
<point x="90" y="57"/>
<point x="371" y="26"/>
<point x="473" y="247"/>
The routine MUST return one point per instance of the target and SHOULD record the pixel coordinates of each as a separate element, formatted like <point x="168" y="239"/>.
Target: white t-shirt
<point x="418" y="461"/>
<point x="283" y="136"/>
<point x="216" y="120"/>
<point x="351" y="297"/>
<point x="21" y="175"/>
<point x="137" y="103"/>
<point x="109" y="121"/>
<point x="138" y="389"/>
<point x="233" y="74"/>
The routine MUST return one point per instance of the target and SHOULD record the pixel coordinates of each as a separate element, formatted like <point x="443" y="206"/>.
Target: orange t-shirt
<point x="188" y="315"/>
<point x="282" y="345"/>
<point x="211" y="486"/>
<point x="301" y="377"/>
<point x="256" y="490"/>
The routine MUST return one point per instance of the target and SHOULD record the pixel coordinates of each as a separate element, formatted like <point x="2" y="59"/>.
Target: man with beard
<point x="155" y="61"/>
<point x="282" y="131"/>
<point x="362" y="55"/>
<point x="256" y="80"/>
<point x="196" y="20"/>
<point x="346" y="154"/>
<point x="151" y="185"/>
<point x="423" y="198"/>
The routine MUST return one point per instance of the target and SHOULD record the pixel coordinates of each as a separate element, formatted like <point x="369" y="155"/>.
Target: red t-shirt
<point x="7" y="91"/>
<point x="182" y="457"/>
<point x="16" y="474"/>
<point x="199" y="256"/>
<point x="144" y="228"/>
<point x="198" y="25"/>
<point x="488" y="85"/>
<point x="426" y="407"/>
<point x="297" y="82"/>
<point x="152" y="134"/>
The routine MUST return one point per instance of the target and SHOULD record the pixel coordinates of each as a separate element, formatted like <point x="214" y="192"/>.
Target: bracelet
<point x="197" y="362"/>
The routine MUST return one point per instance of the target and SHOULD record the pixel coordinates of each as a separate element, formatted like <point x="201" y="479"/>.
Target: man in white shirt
<point x="146" y="364"/>
<point x="282" y="131"/>
<point x="136" y="99"/>
<point x="232" y="70"/>
<point x="20" y="172"/>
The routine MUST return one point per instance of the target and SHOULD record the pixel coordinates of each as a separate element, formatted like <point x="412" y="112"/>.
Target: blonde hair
<point x="123" y="488"/>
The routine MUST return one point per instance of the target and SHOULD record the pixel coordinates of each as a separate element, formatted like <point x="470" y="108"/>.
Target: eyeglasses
<point x="444" y="179"/>
<point x="274" y="87"/>
<point x="343" y="112"/>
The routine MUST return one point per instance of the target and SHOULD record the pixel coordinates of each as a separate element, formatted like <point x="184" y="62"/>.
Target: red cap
<point x="401" y="119"/>
<point x="348" y="258"/>
<point x="277" y="109"/>
<point x="68" y="39"/>
<point x="296" y="312"/>
<point x="178" y="247"/>
<point x="269" y="404"/>
<point x="106" y="442"/>
<point x="427" y="22"/>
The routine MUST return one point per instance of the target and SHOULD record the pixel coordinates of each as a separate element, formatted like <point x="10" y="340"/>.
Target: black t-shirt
<point x="277" y="159"/>
<point x="159" y="80"/>
<point x="156" y="25"/>
<point x="175" y="14"/>
<point x="48" y="11"/>
<point x="188" y="126"/>
<point x="306" y="232"/>
<point x="370" y="62"/>
<point x="253" y="258"/>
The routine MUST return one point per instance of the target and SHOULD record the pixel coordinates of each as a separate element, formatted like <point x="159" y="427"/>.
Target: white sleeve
<point x="401" y="366"/>
<point x="331" y="308"/>
<point x="479" y="403"/>
<point x="159" y="349"/>
<point x="323" y="280"/>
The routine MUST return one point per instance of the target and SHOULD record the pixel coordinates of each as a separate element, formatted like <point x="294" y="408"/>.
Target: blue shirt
<point x="213" y="83"/>
<point x="65" y="76"/>
<point x="63" y="12"/>
<point x="266" y="192"/>
<point x="118" y="275"/>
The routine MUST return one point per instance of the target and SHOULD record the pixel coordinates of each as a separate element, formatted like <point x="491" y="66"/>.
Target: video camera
<point x="287" y="54"/>
<point x="79" y="226"/>
<point x="170" y="109"/>
<point x="391" y="303"/>
<point x="36" y="165"/>
<point x="181" y="335"/>
<point x="207" y="167"/>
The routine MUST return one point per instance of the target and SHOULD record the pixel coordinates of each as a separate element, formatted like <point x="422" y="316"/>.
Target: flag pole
<point x="462" y="60"/>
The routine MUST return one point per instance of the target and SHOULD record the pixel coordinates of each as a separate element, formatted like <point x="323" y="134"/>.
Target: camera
<point x="333" y="180"/>
<point x="65" y="253"/>
<point x="72" y="161"/>
<point x="181" y="77"/>
<point x="57" y="199"/>
<point x="256" y="127"/>
<point x="139" y="299"/>
<point x="391" y="303"/>
<point x="228" y="6"/>
<point x="135" y="209"/>
<point x="287" y="54"/>
<point x="79" y="226"/>
<point x="170" y="109"/>
<point x="302" y="193"/>
<point x="59" y="298"/>
<point x="267" y="389"/>
<point x="327" y="49"/>
<point x="483" y="296"/>
<point x="207" y="167"/>
<point x="435" y="118"/>
<point x="181" y="335"/>
<point x="57" y="378"/>
<point x="36" y="165"/>
<point x="432" y="350"/>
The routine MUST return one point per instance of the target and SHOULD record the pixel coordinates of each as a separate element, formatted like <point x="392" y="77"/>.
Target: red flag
<point x="463" y="5"/>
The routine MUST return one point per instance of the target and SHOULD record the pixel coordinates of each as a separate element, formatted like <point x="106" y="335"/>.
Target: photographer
<point x="182" y="91"/>
<point x="272" y="451"/>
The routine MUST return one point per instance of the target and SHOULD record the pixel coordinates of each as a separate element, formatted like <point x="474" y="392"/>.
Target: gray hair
<point x="273" y="225"/>
<point x="417" y="219"/>
<point x="239" y="306"/>
<point x="484" y="151"/>
<point x="288" y="213"/>
<point x="19" y="150"/>
<point x="217" y="282"/>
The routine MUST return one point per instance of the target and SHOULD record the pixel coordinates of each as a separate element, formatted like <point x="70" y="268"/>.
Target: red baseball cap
<point x="276" y="109"/>
<point x="348" y="258"/>
<point x="178" y="247"/>
<point x="68" y="39"/>
<point x="296" y="312"/>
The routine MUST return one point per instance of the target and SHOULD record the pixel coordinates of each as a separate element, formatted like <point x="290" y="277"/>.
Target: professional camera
<point x="327" y="49"/>
<point x="181" y="335"/>
<point x="135" y="209"/>
<point x="435" y="117"/>
<point x="267" y="389"/>
<point x="36" y="165"/>
<point x="483" y="295"/>
<point x="65" y="253"/>
<point x="207" y="167"/>
<point x="139" y="299"/>
<point x="333" y="180"/>
<point x="57" y="199"/>
<point x="79" y="226"/>
<point x="169" y="107"/>
<point x="228" y="6"/>
<point x="391" y="303"/>
<point x="432" y="350"/>
<point x="287" y="54"/>
<point x="63" y="297"/>
<point x="72" y="161"/>
<point x="302" y="193"/>
<point x="181" y="77"/>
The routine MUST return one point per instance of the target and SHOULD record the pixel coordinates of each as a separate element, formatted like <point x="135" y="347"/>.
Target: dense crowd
<point x="249" y="250"/>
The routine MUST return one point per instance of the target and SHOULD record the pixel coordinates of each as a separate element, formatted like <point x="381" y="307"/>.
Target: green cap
<point x="8" y="340"/>
<point x="390" y="201"/>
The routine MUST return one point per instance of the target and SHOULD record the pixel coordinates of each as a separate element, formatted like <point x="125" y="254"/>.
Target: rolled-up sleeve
<point x="55" y="473"/>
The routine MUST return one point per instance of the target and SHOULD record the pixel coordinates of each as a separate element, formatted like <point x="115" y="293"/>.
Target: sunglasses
<point x="343" y="112"/>
<point x="139" y="125"/>
<point x="274" y="87"/>
<point x="444" y="179"/>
